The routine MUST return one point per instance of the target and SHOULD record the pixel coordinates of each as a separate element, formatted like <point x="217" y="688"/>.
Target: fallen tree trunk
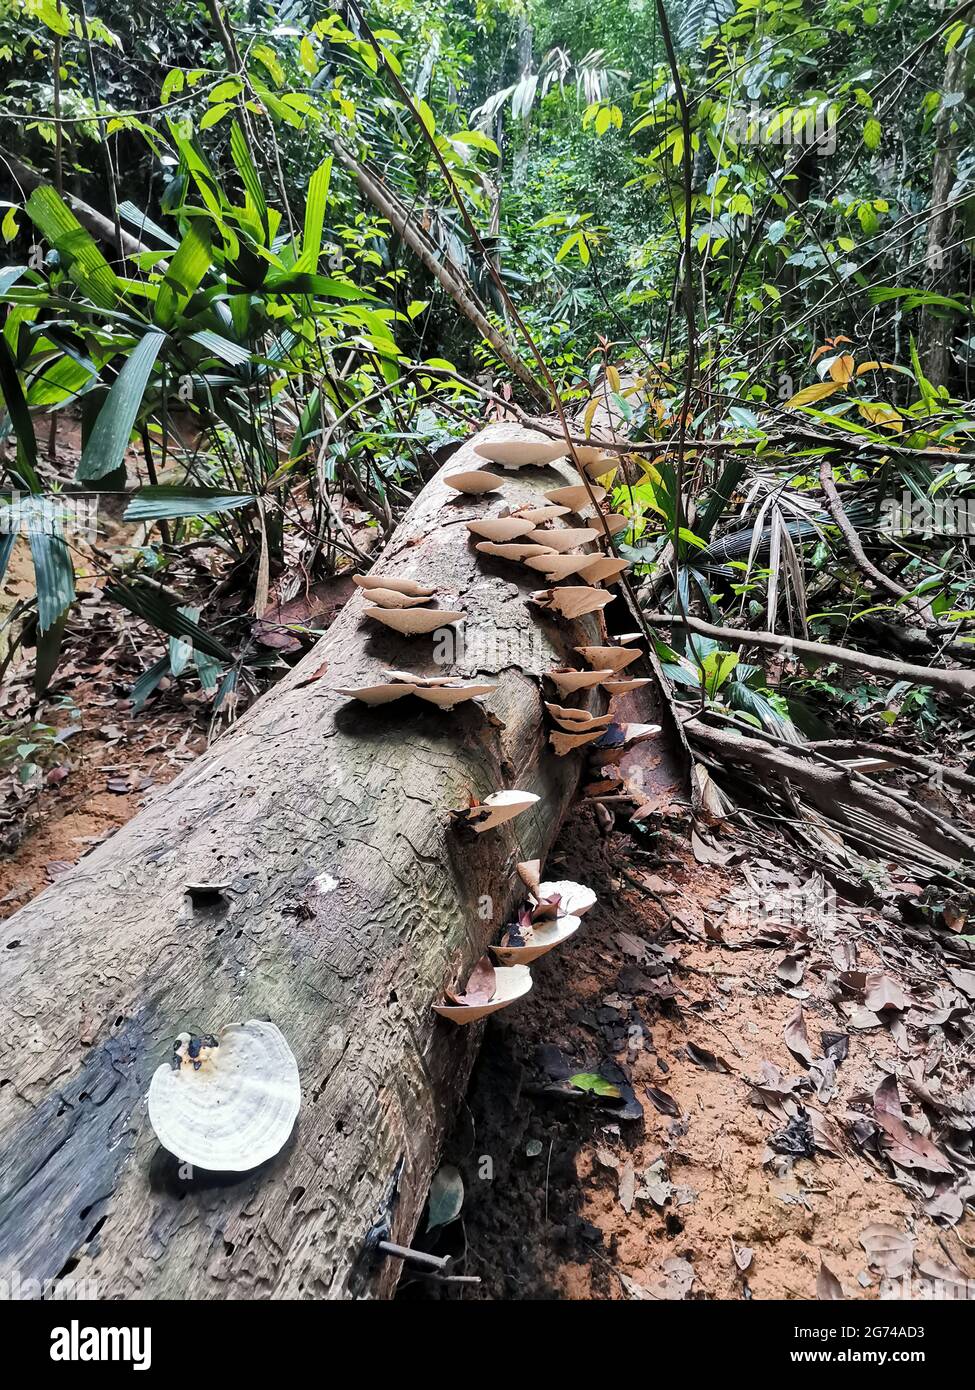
<point x="347" y="904"/>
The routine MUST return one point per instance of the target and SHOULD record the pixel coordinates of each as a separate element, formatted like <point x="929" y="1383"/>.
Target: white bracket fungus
<point x="226" y="1103"/>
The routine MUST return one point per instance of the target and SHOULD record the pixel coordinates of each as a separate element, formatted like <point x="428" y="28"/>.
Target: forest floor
<point x="750" y="1022"/>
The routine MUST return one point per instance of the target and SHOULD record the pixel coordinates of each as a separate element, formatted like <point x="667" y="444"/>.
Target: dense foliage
<point x="274" y="256"/>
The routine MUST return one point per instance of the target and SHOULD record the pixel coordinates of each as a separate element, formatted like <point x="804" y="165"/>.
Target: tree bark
<point x="348" y="905"/>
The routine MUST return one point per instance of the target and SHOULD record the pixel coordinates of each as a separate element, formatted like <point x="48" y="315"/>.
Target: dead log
<point x="345" y="904"/>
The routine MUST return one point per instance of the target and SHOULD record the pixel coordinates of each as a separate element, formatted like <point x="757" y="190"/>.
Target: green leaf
<point x="872" y="133"/>
<point x="53" y="575"/>
<point x="160" y="612"/>
<point x="311" y="241"/>
<point x="446" y="1197"/>
<point x="79" y="254"/>
<point x="109" y="437"/>
<point x="249" y="175"/>
<point x="594" y="1085"/>
<point x="187" y="268"/>
<point x="20" y="418"/>
<point x="164" y="501"/>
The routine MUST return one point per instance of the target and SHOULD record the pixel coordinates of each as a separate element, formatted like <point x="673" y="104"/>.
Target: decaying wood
<point x="348" y="904"/>
<point x="954" y="682"/>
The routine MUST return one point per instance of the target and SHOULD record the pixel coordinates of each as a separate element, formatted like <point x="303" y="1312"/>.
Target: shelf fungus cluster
<point x="445" y="691"/>
<point x="576" y="727"/>
<point x="403" y="605"/>
<point x="551" y="914"/>
<point x="226" y="1102"/>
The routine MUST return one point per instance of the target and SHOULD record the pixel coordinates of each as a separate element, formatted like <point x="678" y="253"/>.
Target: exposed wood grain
<point x="350" y="904"/>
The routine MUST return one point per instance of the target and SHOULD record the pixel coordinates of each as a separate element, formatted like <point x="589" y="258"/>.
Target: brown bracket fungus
<point x="412" y="621"/>
<point x="226" y="1103"/>
<point x="606" y="569"/>
<point x="564" y="743"/>
<point x="625" y="686"/>
<point x="616" y="658"/>
<point x="567" y="537"/>
<point x="392" y="598"/>
<point x="569" y="681"/>
<point x="577" y="496"/>
<point x="500" y="528"/>
<point x="474" y="481"/>
<point x="578" y="721"/>
<point x="557" y="567"/>
<point x="514" y="550"/>
<point x="494" y="810"/>
<point x="530" y="451"/>
<point x="574" y="601"/>
<point x="487" y="990"/>
<point x="400" y="586"/>
<point x="526" y="940"/>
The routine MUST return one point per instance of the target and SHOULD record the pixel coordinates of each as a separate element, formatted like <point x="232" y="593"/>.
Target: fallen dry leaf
<point x="796" y="1039"/>
<point x="903" y="1146"/>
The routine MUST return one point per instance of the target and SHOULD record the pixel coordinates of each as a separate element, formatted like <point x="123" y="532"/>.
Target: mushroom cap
<point x="569" y="681"/>
<point x="378" y="694"/>
<point x="575" y="899"/>
<point x="529" y="871"/>
<point x="625" y="687"/>
<point x="511" y="983"/>
<point x="474" y="481"/>
<point x="386" y="581"/>
<point x="514" y="550"/>
<point x="410" y="621"/>
<point x="504" y="805"/>
<point x="566" y="537"/>
<point x="538" y="515"/>
<point x="573" y="601"/>
<point x="555" y="566"/>
<point x="615" y="523"/>
<point x="577" y="496"/>
<point x="604" y="569"/>
<point x="564" y="743"/>
<point x="392" y="598"/>
<point x="545" y="937"/>
<point x="446" y="696"/>
<point x="528" y="450"/>
<point x="616" y="658"/>
<point x="578" y="721"/>
<point x="500" y="528"/>
<point x="237" y="1109"/>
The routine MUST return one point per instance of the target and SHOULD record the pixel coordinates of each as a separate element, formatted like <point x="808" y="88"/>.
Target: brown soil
<point x="549" y="1210"/>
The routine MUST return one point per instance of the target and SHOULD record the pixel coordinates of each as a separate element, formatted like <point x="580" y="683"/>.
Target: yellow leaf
<point x="841" y="368"/>
<point x="818" y="392"/>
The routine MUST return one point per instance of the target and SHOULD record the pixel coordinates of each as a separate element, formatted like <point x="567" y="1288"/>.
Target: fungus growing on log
<point x="226" y="1103"/>
<point x="616" y="658"/>
<point x="525" y="940"/>
<point x="572" y="602"/>
<point x="577" y="497"/>
<point x="564" y="743"/>
<point x="392" y="598"/>
<point x="530" y="450"/>
<point x="487" y="990"/>
<point x="539" y="515"/>
<point x="569" y="681"/>
<point x="500" y="528"/>
<point x="625" y="686"/>
<point x="556" y="567"/>
<point x="412" y="621"/>
<point x="567" y="538"/>
<point x="573" y="898"/>
<point x="474" y="481"/>
<point x="401" y="586"/>
<point x="494" y="810"/>
<point x="513" y="550"/>
<point x="606" y="569"/>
